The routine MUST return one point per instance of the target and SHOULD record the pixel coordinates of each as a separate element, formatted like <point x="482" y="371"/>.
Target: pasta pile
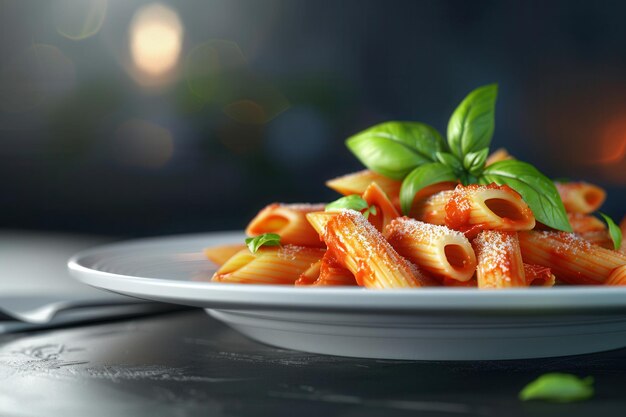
<point x="482" y="236"/>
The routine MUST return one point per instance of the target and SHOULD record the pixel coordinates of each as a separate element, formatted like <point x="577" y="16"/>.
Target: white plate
<point x="432" y="324"/>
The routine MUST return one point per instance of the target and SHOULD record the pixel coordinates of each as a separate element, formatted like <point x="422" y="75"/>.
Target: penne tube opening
<point x="581" y="197"/>
<point x="288" y="221"/>
<point x="457" y="257"/>
<point x="538" y="276"/>
<point x="272" y="224"/>
<point x="594" y="197"/>
<point x="473" y="208"/>
<point x="505" y="209"/>
<point x="541" y="281"/>
<point x="438" y="250"/>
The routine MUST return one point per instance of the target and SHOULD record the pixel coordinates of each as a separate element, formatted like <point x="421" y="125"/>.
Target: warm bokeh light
<point x="612" y="146"/>
<point x="143" y="144"/>
<point x="79" y="19"/>
<point x="156" y="36"/>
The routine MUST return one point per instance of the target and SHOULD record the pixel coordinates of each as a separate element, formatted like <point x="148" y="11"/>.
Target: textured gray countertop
<point x="188" y="364"/>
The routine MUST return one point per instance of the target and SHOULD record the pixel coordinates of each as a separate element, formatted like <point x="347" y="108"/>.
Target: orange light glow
<point x="612" y="146"/>
<point x="156" y="35"/>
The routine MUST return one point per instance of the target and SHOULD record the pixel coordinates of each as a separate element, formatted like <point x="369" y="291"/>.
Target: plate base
<point x="426" y="337"/>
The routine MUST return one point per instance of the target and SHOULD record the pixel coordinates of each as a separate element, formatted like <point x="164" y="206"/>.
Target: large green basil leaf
<point x="393" y="149"/>
<point x="474" y="162"/>
<point x="536" y="189"/>
<point x="471" y="126"/>
<point x="450" y="160"/>
<point x="421" y="177"/>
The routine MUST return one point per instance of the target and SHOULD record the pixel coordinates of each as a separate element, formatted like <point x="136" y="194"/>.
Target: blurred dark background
<point x="138" y="118"/>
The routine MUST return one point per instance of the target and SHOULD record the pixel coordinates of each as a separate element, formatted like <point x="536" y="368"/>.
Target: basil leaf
<point x="558" y="387"/>
<point x="266" y="239"/>
<point x="536" y="189"/>
<point x="393" y="149"/>
<point x="450" y="160"/>
<point x="471" y="126"/>
<point x="372" y="210"/>
<point x="474" y="162"/>
<point x="354" y="202"/>
<point x="614" y="231"/>
<point x="421" y="177"/>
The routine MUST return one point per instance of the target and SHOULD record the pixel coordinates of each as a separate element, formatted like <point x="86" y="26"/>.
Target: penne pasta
<point x="426" y="193"/>
<point x="432" y="209"/>
<point x="473" y="208"/>
<point x="319" y="219"/>
<point x="332" y="273"/>
<point x="449" y="282"/>
<point x="467" y="231"/>
<point x="538" y="276"/>
<point x="438" y="250"/>
<point x="581" y="197"/>
<point x="326" y="272"/>
<point x="617" y="277"/>
<point x="310" y="275"/>
<point x="357" y="183"/>
<point x="500" y="262"/>
<point x="497" y="156"/>
<point x="269" y="265"/>
<point x="289" y="221"/>
<point x="571" y="258"/>
<point x="220" y="254"/>
<point x="591" y="229"/>
<point x="361" y="249"/>
<point x="600" y="238"/>
<point x="385" y="211"/>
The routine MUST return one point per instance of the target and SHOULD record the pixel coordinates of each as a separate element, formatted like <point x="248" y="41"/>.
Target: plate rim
<point x="536" y="300"/>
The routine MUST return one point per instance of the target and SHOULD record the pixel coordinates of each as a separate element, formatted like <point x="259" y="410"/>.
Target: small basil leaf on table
<point x="614" y="231"/>
<point x="393" y="149"/>
<point x="470" y="128"/>
<point x="266" y="239"/>
<point x="421" y="177"/>
<point x="474" y="162"/>
<point x="536" y="189"/>
<point x="558" y="387"/>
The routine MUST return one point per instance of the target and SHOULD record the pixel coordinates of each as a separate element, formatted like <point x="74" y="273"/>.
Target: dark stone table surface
<point x="187" y="364"/>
